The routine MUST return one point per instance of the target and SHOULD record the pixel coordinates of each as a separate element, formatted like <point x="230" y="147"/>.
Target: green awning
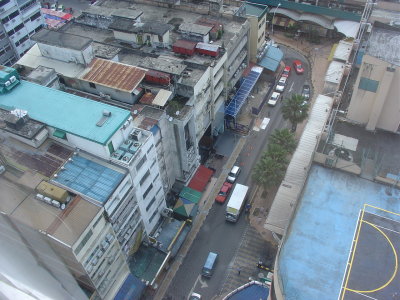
<point x="59" y="133"/>
<point x="190" y="194"/>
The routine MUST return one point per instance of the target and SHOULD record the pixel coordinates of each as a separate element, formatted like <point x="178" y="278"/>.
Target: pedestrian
<point x="239" y="271"/>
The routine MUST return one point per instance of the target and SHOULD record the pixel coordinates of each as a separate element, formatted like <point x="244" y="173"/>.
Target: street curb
<point x="201" y="216"/>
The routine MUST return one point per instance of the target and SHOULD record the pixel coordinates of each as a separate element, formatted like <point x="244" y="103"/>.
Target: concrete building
<point x="20" y="19"/>
<point x="257" y="16"/>
<point x="375" y="100"/>
<point x="183" y="94"/>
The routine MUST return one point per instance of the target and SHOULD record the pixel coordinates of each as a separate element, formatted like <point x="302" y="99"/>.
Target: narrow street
<point x="238" y="245"/>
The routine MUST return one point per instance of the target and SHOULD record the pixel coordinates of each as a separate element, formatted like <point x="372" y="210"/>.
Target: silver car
<point x="281" y="84"/>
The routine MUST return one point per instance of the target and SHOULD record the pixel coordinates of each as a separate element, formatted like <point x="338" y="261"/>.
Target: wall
<point x="83" y="57"/>
<point x="119" y="95"/>
<point x="378" y="109"/>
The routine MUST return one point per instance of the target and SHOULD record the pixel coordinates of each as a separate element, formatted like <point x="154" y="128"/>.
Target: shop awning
<point x="190" y="194"/>
<point x="200" y="178"/>
<point x="59" y="133"/>
<point x="348" y="28"/>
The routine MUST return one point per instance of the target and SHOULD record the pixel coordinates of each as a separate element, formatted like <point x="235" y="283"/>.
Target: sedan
<point x="281" y="84"/>
<point x="286" y="71"/>
<point x="274" y="98"/>
<point x="224" y="192"/>
<point x="298" y="66"/>
<point x="306" y="92"/>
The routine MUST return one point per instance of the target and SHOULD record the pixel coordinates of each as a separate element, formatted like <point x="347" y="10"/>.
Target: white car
<point x="274" y="98"/>
<point x="281" y="84"/>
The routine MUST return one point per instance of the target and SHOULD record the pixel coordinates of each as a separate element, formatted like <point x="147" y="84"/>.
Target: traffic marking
<point x="291" y="87"/>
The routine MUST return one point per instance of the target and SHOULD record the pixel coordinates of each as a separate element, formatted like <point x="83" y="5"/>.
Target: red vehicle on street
<point x="224" y="191"/>
<point x="286" y="71"/>
<point x="298" y="66"/>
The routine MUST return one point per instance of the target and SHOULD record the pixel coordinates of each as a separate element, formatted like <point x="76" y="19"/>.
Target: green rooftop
<point x="65" y="112"/>
<point x="255" y="10"/>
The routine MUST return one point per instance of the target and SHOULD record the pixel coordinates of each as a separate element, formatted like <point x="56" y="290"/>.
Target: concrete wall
<point x="83" y="57"/>
<point x="119" y="95"/>
<point x="380" y="109"/>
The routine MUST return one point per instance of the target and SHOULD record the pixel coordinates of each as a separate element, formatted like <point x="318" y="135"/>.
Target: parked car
<point x="281" y="84"/>
<point x="306" y="92"/>
<point x="286" y="71"/>
<point x="233" y="174"/>
<point x="223" y="192"/>
<point x="195" y="296"/>
<point x="274" y="98"/>
<point x="298" y="66"/>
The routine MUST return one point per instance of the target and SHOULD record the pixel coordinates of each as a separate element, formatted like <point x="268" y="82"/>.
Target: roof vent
<point x="104" y="118"/>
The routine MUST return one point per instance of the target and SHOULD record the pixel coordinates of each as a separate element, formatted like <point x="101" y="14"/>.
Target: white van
<point x="233" y="174"/>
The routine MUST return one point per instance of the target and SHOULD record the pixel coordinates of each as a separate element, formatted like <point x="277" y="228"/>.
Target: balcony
<point x="30" y="10"/>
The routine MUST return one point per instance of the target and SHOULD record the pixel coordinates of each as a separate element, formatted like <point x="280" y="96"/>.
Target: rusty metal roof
<point x="115" y="75"/>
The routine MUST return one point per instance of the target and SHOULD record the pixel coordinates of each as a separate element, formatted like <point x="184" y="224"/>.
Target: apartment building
<point x="20" y="19"/>
<point x="184" y="88"/>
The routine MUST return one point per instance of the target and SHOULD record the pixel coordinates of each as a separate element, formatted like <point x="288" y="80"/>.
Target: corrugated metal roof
<point x="115" y="75"/>
<point x="343" y="51"/>
<point x="335" y="72"/>
<point x="337" y="13"/>
<point x="289" y="191"/>
<point x="255" y="10"/>
<point x="190" y="45"/>
<point x="206" y="46"/>
<point x="162" y="97"/>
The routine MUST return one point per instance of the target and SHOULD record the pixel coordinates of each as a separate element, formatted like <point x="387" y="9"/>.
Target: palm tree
<point x="295" y="109"/>
<point x="268" y="172"/>
<point x="277" y="153"/>
<point x="285" y="138"/>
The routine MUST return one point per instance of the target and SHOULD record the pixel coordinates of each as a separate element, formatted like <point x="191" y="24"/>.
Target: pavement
<point x="261" y="200"/>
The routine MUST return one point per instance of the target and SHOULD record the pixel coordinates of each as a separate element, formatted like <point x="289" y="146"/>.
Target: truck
<point x="236" y="202"/>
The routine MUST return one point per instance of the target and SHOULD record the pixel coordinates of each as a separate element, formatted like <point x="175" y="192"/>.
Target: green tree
<point x="268" y="172"/>
<point x="277" y="153"/>
<point x="295" y="109"/>
<point x="285" y="138"/>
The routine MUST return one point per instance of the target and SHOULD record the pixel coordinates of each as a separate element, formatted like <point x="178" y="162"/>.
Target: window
<point x="2" y="36"/>
<point x="153" y="215"/>
<point x="140" y="163"/>
<point x="147" y="191"/>
<point x="152" y="164"/>
<point x="155" y="178"/>
<point x="110" y="147"/>
<point x="97" y="221"/>
<point x="83" y="242"/>
<point x="35" y="16"/>
<point x="25" y="38"/>
<point x="30" y="3"/>
<point x="92" y="85"/>
<point x="144" y="177"/>
<point x="367" y="84"/>
<point x="4" y="2"/>
<point x="151" y="203"/>
<point x="151" y="147"/>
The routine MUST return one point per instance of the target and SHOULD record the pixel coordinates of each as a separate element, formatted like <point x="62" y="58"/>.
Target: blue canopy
<point x="271" y="59"/>
<point x="243" y="92"/>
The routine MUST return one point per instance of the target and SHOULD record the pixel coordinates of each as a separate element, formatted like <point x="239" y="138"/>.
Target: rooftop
<point x="255" y="10"/>
<point x="89" y="178"/>
<point x="105" y="51"/>
<point x="70" y="113"/>
<point x="61" y="39"/>
<point x="129" y="26"/>
<point x="164" y="64"/>
<point x="131" y="13"/>
<point x="114" y="75"/>
<point x="195" y="28"/>
<point x="29" y="129"/>
<point x="326" y="221"/>
<point x="384" y="43"/>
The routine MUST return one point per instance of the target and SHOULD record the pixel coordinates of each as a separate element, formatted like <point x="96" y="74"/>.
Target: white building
<point x="20" y="19"/>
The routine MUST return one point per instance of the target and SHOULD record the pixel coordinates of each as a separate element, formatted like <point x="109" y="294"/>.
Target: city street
<point x="223" y="237"/>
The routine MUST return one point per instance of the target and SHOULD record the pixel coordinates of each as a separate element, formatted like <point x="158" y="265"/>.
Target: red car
<point x="298" y="66"/>
<point x="286" y="71"/>
<point x="223" y="193"/>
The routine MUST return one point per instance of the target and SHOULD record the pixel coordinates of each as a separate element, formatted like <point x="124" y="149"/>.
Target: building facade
<point x="19" y="21"/>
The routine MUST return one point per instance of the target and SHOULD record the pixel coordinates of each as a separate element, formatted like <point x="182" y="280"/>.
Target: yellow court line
<point x="354" y="251"/>
<point x="395" y="259"/>
<point x="382" y="209"/>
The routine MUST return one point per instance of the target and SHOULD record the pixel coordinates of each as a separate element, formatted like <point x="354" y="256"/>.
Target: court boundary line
<point x="356" y="235"/>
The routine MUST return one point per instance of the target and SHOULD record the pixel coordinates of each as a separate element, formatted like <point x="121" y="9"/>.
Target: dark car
<point x="306" y="92"/>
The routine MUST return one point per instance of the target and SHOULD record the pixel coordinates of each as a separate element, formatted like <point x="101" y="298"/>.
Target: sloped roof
<point x="113" y="74"/>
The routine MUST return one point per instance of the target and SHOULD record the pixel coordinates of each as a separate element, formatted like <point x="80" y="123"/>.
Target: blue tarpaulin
<point x="132" y="289"/>
<point x="243" y="92"/>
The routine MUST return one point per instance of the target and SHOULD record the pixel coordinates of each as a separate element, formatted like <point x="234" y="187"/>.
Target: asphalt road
<point x="216" y="234"/>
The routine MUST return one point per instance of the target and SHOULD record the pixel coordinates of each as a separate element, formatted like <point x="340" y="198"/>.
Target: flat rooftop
<point x="62" y="39"/>
<point x="325" y="225"/>
<point x="116" y="11"/>
<point x="384" y="43"/>
<point x="17" y="197"/>
<point x="69" y="113"/>
<point x="89" y="178"/>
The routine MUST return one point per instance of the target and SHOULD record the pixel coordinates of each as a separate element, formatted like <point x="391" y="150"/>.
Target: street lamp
<point x="273" y="17"/>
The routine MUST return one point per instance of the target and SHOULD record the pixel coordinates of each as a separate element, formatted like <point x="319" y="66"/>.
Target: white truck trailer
<point x="236" y="202"/>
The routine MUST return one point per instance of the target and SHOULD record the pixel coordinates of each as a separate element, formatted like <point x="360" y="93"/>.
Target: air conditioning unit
<point x="106" y="113"/>
<point x="39" y="197"/>
<point x="108" y="97"/>
<point x="13" y="79"/>
<point x="7" y="83"/>
<point x="136" y="135"/>
<point x="166" y="212"/>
